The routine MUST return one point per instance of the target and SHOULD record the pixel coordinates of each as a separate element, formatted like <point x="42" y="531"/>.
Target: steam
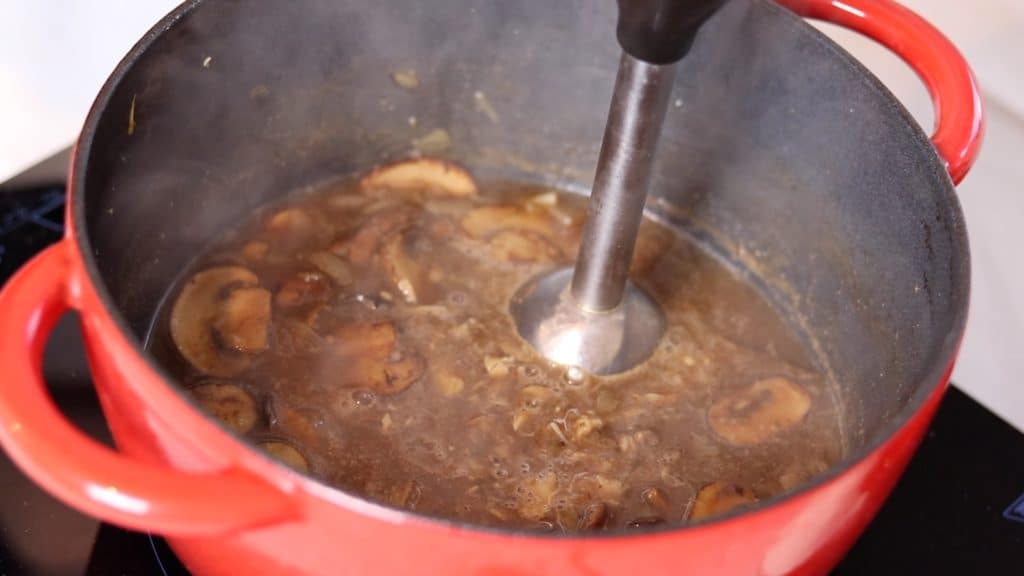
<point x="238" y="103"/>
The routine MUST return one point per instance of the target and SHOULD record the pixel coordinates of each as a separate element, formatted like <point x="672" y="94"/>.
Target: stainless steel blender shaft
<point x="639" y="102"/>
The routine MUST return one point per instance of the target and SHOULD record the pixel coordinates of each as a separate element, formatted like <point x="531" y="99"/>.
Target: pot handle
<point x="84" y="473"/>
<point x="959" y="116"/>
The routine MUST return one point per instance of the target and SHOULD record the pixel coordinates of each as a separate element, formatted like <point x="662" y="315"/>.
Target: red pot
<point x="226" y="509"/>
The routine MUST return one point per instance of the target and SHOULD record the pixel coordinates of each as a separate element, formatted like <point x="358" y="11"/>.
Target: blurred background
<point x="55" y="54"/>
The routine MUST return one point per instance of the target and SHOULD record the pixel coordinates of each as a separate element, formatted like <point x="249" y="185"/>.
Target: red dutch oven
<point x="782" y="155"/>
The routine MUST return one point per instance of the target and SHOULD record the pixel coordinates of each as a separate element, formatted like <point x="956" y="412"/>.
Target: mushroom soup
<point x="360" y="334"/>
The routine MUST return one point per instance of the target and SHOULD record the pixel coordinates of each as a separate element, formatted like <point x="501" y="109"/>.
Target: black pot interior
<point x="781" y="154"/>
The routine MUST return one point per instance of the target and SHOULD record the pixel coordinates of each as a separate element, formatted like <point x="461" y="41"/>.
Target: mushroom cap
<point x="435" y="177"/>
<point x="228" y="403"/>
<point x="196" y="311"/>
<point x="718" y="498"/>
<point x="759" y="412"/>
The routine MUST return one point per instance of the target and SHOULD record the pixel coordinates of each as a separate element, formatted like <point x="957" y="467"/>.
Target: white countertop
<point x="55" y="55"/>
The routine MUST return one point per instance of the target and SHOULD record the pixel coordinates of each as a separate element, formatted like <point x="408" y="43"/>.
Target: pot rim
<point x="933" y="380"/>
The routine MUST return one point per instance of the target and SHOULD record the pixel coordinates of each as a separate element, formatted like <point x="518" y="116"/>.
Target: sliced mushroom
<point x="598" y="486"/>
<point x="292" y="422"/>
<point x="199" y="307"/>
<point x="718" y="498"/>
<point x="404" y="271"/>
<point x="335" y="268"/>
<point x="243" y="320"/>
<point x="445" y="382"/>
<point x="302" y="289"/>
<point x="486" y="221"/>
<point x="593" y="517"/>
<point x="655" y="498"/>
<point x="255" y="251"/>
<point x="290" y="227"/>
<point x="367" y="240"/>
<point x="584" y="425"/>
<point x="392" y="377"/>
<point x="759" y="412"/>
<point x="289" y="220"/>
<point x="228" y="403"/>
<point x="518" y="246"/>
<point x="514" y="233"/>
<point x="367" y="340"/>
<point x="286" y="454"/>
<point x="424" y="175"/>
<point x="370" y="358"/>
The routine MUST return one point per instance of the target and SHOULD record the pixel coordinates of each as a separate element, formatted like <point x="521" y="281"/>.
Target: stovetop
<point x="959" y="509"/>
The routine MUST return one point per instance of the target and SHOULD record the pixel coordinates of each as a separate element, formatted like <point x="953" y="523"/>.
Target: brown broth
<point x="485" y="430"/>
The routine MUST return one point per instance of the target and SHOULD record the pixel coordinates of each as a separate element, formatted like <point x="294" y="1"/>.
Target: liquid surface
<point x="360" y="334"/>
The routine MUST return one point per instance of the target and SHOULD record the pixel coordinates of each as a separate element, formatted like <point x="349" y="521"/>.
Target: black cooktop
<point x="959" y="509"/>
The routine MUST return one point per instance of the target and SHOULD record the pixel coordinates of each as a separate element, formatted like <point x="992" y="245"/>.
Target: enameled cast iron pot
<point x="781" y="154"/>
